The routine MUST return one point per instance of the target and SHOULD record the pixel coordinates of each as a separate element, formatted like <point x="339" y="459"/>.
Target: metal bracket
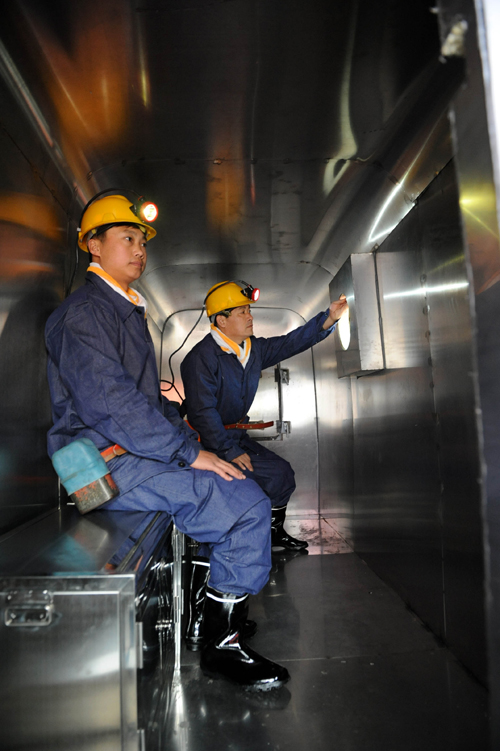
<point x="282" y="375"/>
<point x="178" y="545"/>
<point x="165" y="625"/>
<point x="29" y="608"/>
<point x="139" y="644"/>
<point x="283" y="427"/>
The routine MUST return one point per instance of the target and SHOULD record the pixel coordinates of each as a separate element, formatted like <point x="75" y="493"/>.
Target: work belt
<point x="117" y="450"/>
<point x="112" y="451"/>
<point x="255" y="425"/>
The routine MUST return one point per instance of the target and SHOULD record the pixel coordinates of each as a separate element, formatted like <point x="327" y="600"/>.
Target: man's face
<point x="121" y="252"/>
<point x="239" y="325"/>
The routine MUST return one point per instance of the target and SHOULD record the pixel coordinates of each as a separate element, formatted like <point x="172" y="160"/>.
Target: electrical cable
<point x="171" y="384"/>
<point x="67" y="287"/>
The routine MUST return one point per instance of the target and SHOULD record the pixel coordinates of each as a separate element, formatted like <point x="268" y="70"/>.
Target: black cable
<point x="171" y="383"/>
<point x="72" y="274"/>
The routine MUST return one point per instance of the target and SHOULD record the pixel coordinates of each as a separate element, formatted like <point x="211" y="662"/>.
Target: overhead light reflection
<point x="426" y="289"/>
<point x="392" y="195"/>
<point x="477" y="219"/>
<point x="21" y="89"/>
<point x="144" y="80"/>
<point x="347" y="147"/>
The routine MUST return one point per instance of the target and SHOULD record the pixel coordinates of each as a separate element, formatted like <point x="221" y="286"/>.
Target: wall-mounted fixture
<point x="358" y="338"/>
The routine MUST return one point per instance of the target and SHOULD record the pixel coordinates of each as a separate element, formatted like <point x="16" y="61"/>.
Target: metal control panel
<point x="358" y="336"/>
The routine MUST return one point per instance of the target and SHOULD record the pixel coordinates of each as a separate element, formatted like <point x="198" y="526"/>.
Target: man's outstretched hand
<point x="207" y="460"/>
<point x="336" y="309"/>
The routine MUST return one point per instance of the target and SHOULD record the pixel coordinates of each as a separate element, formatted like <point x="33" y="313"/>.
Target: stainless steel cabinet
<point x="87" y="655"/>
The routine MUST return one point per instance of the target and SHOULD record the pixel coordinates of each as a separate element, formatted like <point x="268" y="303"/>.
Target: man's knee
<point x="282" y="478"/>
<point x="288" y="475"/>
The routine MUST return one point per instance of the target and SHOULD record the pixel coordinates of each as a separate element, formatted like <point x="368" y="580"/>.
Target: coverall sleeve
<point x="278" y="348"/>
<point x="173" y="416"/>
<point x="201" y="387"/>
<point x="105" y="395"/>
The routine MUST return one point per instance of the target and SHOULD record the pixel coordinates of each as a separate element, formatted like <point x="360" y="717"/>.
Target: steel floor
<point x="365" y="673"/>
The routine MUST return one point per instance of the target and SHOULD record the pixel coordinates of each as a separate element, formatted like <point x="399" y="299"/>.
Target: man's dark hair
<point x="226" y="313"/>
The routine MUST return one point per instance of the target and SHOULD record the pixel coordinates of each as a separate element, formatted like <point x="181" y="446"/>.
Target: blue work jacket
<point x="104" y="386"/>
<point x="220" y="392"/>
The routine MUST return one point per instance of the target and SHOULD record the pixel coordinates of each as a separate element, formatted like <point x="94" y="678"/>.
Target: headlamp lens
<point x="252" y="293"/>
<point x="149" y="211"/>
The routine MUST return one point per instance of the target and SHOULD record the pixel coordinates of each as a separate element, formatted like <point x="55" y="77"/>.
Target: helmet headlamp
<point x="253" y="293"/>
<point x="230" y="294"/>
<point x="145" y="210"/>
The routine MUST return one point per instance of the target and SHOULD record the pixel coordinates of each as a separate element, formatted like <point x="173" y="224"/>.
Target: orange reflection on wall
<point x="225" y="195"/>
<point x="29" y="236"/>
<point x="89" y="86"/>
<point x="225" y="188"/>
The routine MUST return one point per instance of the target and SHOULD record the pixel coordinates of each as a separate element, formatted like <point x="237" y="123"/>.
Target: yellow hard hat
<point x="111" y="210"/>
<point x="230" y="294"/>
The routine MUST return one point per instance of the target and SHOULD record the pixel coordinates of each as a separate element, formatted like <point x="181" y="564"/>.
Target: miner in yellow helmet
<point x="105" y="387"/>
<point x="221" y="376"/>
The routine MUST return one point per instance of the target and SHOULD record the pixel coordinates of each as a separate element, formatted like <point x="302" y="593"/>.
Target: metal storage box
<point x="86" y="631"/>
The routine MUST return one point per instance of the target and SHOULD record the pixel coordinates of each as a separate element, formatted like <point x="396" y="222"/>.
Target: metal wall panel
<point x="475" y="133"/>
<point x="453" y="373"/>
<point x="416" y="498"/>
<point x="32" y="234"/>
<point x="396" y="480"/>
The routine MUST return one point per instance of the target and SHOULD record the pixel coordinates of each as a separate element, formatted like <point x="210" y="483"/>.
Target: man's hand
<point x="337" y="307"/>
<point x="243" y="461"/>
<point x="207" y="460"/>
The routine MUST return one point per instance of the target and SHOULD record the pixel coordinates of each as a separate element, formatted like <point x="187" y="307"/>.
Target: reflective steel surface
<point x="414" y="507"/>
<point x="278" y="139"/>
<point x="365" y="673"/>
<point x="474" y="112"/>
<point x="71" y="684"/>
<point x="86" y="630"/>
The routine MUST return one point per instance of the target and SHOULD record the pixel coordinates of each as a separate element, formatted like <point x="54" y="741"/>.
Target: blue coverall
<point x="219" y="391"/>
<point x="104" y="386"/>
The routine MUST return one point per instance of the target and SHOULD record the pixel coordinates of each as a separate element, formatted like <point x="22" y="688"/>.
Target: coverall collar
<point x="123" y="306"/>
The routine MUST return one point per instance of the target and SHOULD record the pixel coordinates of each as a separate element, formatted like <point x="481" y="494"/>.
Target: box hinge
<point x="139" y="644"/>
<point x="29" y="608"/>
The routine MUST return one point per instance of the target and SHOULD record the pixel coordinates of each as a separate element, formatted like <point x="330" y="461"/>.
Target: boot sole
<point x="194" y="647"/>
<point x="251" y="688"/>
<point x="299" y="545"/>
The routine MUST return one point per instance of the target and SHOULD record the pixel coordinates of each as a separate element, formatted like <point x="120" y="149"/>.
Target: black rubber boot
<point x="226" y="655"/>
<point x="280" y="538"/>
<point x="200" y="571"/>
<point x="194" y="637"/>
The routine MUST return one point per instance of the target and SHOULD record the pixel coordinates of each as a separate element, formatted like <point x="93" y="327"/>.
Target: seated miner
<point x="221" y="376"/>
<point x="104" y="387"/>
